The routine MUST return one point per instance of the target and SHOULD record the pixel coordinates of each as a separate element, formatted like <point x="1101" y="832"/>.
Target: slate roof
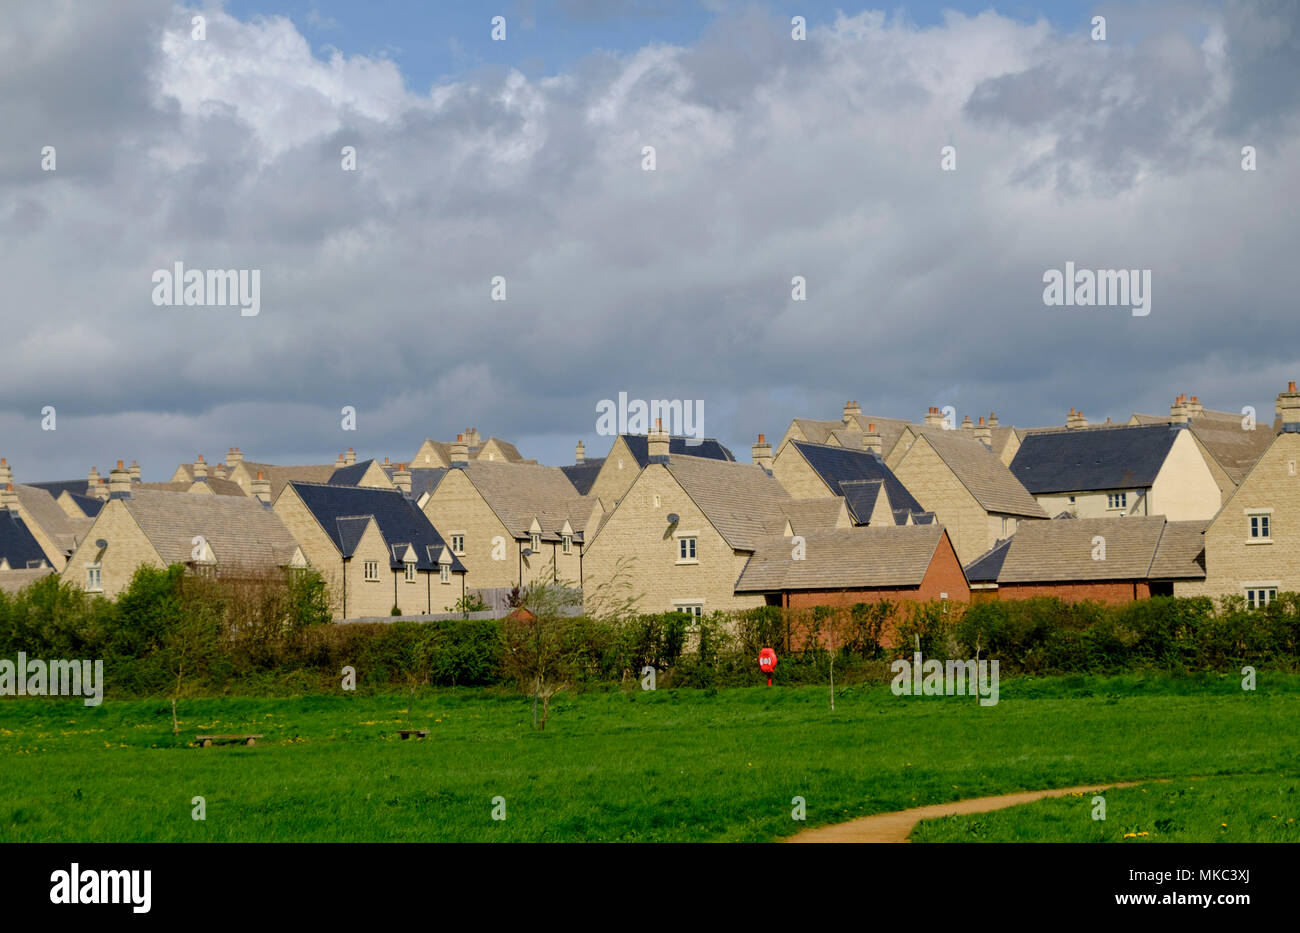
<point x="709" y="449"/>
<point x="351" y="474"/>
<point x="854" y="558"/>
<point x="861" y="496"/>
<point x="240" y="531"/>
<point x="1082" y="460"/>
<point x="1136" y="548"/>
<point x="839" y="465"/>
<point x="520" y="492"/>
<point x="17" y="545"/>
<point x="850" y="435"/>
<point x="583" y="475"/>
<point x="986" y="567"/>
<point x="88" y="504"/>
<point x="425" y="479"/>
<point x="986" y="477"/>
<point x="344" y="512"/>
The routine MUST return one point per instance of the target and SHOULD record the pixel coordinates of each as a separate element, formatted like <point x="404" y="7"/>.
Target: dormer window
<point x="568" y="544"/>
<point x="535" y="541"/>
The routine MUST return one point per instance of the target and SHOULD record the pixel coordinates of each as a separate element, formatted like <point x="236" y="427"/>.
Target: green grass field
<point x="670" y="765"/>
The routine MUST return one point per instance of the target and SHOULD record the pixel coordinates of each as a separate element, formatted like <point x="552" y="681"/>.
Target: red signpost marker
<point x="767" y="663"/>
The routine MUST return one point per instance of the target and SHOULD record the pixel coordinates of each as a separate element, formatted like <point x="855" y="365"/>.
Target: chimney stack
<point x="119" y="482"/>
<point x="402" y="480"/>
<point x="200" y="470"/>
<point x="1178" y="414"/>
<point x="851" y="409"/>
<point x="234" y="457"/>
<point x="261" y="488"/>
<point x="762" y="453"/>
<point x="1288" y="404"/>
<point x="968" y="424"/>
<point x="135" y="471"/>
<point x="934" y="418"/>
<point x="95" y="486"/>
<point x="984" y="434"/>
<point x="1194" y="408"/>
<point x="871" y="441"/>
<point x="339" y="462"/>
<point x="459" y="453"/>
<point x="993" y="420"/>
<point x="9" y="498"/>
<point x="1076" y="420"/>
<point x="351" y="457"/>
<point x="219" y="471"/>
<point x="580" y="452"/>
<point x="658" y="443"/>
<point x="6" y="473"/>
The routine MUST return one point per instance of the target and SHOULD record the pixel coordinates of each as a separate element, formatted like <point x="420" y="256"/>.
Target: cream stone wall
<point x="616" y="475"/>
<point x="1230" y="561"/>
<point x="128" y="549"/>
<point x="800" y="480"/>
<point x="1185" y="489"/>
<point x="938" y="490"/>
<point x="638" y="530"/>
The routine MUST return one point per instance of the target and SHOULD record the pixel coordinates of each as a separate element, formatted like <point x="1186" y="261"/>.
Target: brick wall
<point x="1112" y="593"/>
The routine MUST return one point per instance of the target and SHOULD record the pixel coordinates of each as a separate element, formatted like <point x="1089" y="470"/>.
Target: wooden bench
<point x="207" y="740"/>
<point x="418" y="733"/>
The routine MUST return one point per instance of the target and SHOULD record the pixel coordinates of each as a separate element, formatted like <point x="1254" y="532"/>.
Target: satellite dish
<point x="101" y="543"/>
<point x="673" y="518"/>
<point x="528" y="552"/>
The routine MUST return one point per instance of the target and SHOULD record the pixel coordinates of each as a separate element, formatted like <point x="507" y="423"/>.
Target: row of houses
<point x="1196" y="502"/>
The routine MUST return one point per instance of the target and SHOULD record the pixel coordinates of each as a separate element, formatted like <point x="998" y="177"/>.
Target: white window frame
<point x="535" y="541"/>
<point x="1116" y="501"/>
<point x="567" y="544"/>
<point x="1259" y="519"/>
<point x="370" y="571"/>
<point x="1259" y="595"/>
<point x="458" y="536"/>
<point x="444" y="573"/>
<point x="694" y="607"/>
<point x="94" y="578"/>
<point x="410" y="571"/>
<point x="681" y="539"/>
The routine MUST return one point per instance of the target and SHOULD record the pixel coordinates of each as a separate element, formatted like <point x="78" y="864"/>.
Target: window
<point x="1117" y="500"/>
<point x="1260" y="596"/>
<point x="1004" y="526"/>
<point x="458" y="543"/>
<point x="691" y="609"/>
<point x="686" y="550"/>
<point x="94" y="582"/>
<point x="410" y="572"/>
<point x="568" y="544"/>
<point x="535" y="542"/>
<point x="372" y="570"/>
<point x="1259" y="523"/>
<point x="444" y="573"/>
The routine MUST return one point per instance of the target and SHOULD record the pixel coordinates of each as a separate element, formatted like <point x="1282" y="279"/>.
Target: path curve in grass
<point x="897" y="826"/>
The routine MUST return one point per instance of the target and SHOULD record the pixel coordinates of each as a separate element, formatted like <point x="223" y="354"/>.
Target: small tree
<point x="535" y="645"/>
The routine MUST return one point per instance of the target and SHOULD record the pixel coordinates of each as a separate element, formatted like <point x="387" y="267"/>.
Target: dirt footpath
<point x="895" y="827"/>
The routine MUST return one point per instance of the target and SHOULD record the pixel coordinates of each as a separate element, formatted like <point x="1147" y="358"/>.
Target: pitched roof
<point x="64" y="530"/>
<point x="240" y="531"/>
<point x="986" y="477"/>
<point x="810" y="515"/>
<point x="1221" y="432"/>
<point x="708" y="448"/>
<point x="56" y="488"/>
<point x="17" y="546"/>
<point x="350" y="475"/>
<point x="840" y="465"/>
<point x="11" y="581"/>
<point x="861" y="496"/>
<point x="1180" y="555"/>
<point x="583" y="475"/>
<point x="280" y="476"/>
<point x="88" y="504"/>
<point x="521" y="492"/>
<point x="510" y="451"/>
<point x="1053" y="552"/>
<point x="850" y="435"/>
<point x="859" y="557"/>
<point x="345" y="511"/>
<point x="1079" y="460"/>
<point x="986" y="567"/>
<point x="741" y="500"/>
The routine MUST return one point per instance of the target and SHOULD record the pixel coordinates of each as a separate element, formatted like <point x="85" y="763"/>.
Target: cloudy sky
<point x="523" y="159"/>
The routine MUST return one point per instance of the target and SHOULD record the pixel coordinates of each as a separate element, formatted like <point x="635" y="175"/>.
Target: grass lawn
<point x="671" y="765"/>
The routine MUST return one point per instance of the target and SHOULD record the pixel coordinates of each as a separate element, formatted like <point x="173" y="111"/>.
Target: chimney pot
<point x="762" y="453"/>
<point x="260" y="489"/>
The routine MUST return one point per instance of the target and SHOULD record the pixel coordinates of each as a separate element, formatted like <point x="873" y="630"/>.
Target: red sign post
<point x="767" y="663"/>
